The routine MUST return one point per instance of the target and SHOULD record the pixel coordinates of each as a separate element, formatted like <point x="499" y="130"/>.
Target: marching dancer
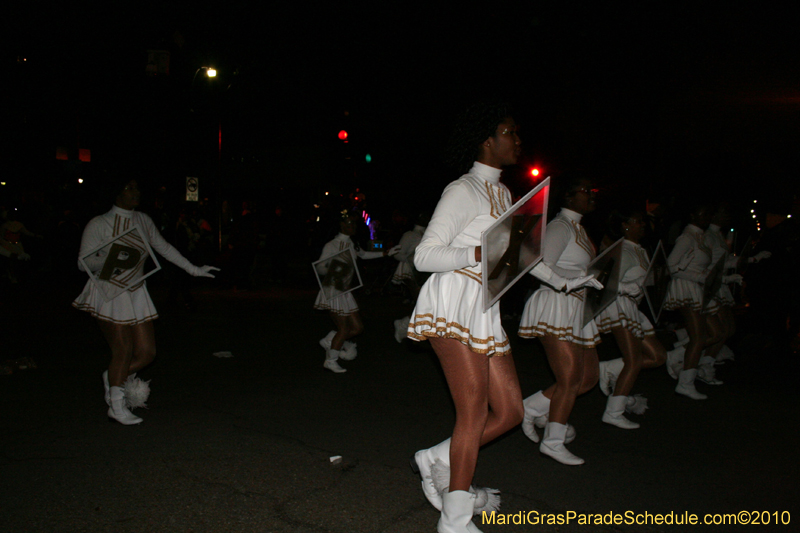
<point x="471" y="345"/>
<point x="554" y="315"/>
<point x="633" y="332"/>
<point x="724" y="317"/>
<point x="404" y="274"/>
<point x="126" y="320"/>
<point x="343" y="309"/>
<point x="689" y="264"/>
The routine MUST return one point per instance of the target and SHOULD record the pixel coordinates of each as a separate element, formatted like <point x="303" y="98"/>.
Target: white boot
<point x="686" y="385"/>
<point x="456" y="516"/>
<point x="118" y="411"/>
<point x="421" y="464"/>
<point x="325" y="341"/>
<point x="537" y="412"/>
<point x="683" y="337"/>
<point x="331" y="356"/>
<point x="615" y="406"/>
<point x="675" y="361"/>
<point x="401" y="328"/>
<point x="706" y="371"/>
<point x="609" y="372"/>
<point x="553" y="445"/>
<point x="105" y="384"/>
<point x="348" y="351"/>
<point x="725" y="354"/>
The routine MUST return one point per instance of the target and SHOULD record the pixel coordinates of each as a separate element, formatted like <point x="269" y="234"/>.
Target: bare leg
<point x="696" y="325"/>
<point x="576" y="370"/>
<point x="653" y="351"/>
<point x="144" y="346"/>
<point x="476" y="383"/>
<point x="632" y="356"/>
<point x="723" y="326"/>
<point x="120" y="340"/>
<point x="340" y="321"/>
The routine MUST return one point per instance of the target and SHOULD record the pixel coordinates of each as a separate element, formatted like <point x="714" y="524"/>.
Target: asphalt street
<point x="244" y="443"/>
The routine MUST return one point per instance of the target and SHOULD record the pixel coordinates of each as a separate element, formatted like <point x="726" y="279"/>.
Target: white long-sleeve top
<point x="633" y="265"/>
<point x="103" y="227"/>
<point x="467" y="208"/>
<point x="343" y="242"/>
<point x="719" y="247"/>
<point x="409" y="242"/>
<point x="692" y="240"/>
<point x="567" y="249"/>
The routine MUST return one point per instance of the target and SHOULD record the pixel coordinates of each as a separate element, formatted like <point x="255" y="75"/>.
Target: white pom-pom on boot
<point x="457" y="507"/>
<point x="615" y="406"/>
<point x="553" y="445"/>
<point x="486" y="499"/>
<point x="686" y="385"/>
<point x="609" y="372"/>
<point x="118" y="410"/>
<point x="349" y="351"/>
<point x="537" y="412"/>
<point x="706" y="372"/>
<point x="423" y="464"/>
<point x="136" y="392"/>
<point x="636" y="405"/>
<point x="401" y="328"/>
<point x="331" y="356"/>
<point x="675" y="361"/>
<point x="725" y="354"/>
<point x="107" y="387"/>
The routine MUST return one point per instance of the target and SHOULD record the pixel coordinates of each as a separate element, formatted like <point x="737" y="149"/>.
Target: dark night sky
<point x="641" y="98"/>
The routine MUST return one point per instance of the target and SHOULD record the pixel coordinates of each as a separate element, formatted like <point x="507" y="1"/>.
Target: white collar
<point x="691" y="228"/>
<point x="570" y="214"/>
<point x="117" y="210"/>
<point x="486" y="173"/>
<point x="342" y="237"/>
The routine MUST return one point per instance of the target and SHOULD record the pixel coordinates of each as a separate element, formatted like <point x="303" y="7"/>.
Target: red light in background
<point x="343" y="135"/>
<point x="534" y="172"/>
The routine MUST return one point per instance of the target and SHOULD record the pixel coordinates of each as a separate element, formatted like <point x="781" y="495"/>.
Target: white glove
<point x="203" y="271"/>
<point x="581" y="282"/>
<point x="394" y="250"/>
<point x="733" y="278"/>
<point x="759" y="256"/>
<point x="630" y="289"/>
<point x="685" y="260"/>
<point x="23" y="257"/>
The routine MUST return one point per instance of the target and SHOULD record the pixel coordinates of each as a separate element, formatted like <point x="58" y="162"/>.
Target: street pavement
<point x="244" y="443"/>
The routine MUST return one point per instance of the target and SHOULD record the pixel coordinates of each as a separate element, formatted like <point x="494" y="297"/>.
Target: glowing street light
<point x="211" y="72"/>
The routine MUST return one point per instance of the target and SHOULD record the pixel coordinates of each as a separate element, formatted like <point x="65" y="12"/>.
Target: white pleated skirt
<point x="685" y="293"/>
<point x="344" y="304"/>
<point x="128" y="309"/>
<point x="402" y="273"/>
<point x="624" y="312"/>
<point x="450" y="306"/>
<point x="725" y="296"/>
<point x="555" y="313"/>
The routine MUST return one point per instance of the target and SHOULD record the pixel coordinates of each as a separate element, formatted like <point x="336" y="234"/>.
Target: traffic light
<point x="343" y="135"/>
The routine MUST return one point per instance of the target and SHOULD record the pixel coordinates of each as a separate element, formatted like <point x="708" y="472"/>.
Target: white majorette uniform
<point x="344" y="304"/>
<point x="688" y="265"/>
<point x="719" y="248"/>
<point x="567" y="250"/>
<point x="624" y="311"/>
<point x="450" y="302"/>
<point x="408" y="243"/>
<point x="133" y="306"/>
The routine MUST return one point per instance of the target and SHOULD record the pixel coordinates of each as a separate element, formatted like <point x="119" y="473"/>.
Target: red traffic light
<point x="535" y="172"/>
<point x="343" y="135"/>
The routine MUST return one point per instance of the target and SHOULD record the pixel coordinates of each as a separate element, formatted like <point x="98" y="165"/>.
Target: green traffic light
<point x="368" y="158"/>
